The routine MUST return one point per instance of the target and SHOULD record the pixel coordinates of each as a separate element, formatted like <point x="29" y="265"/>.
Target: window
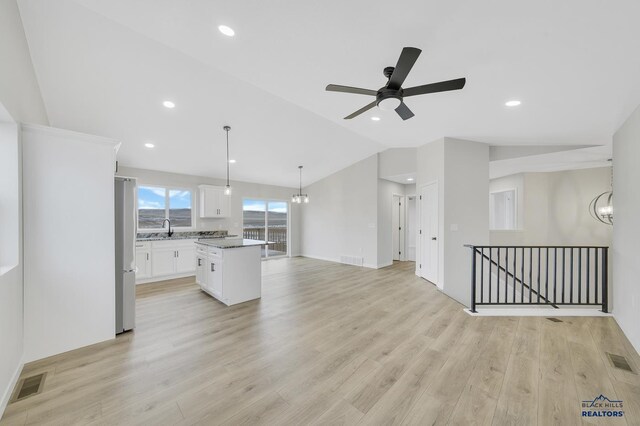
<point x="157" y="203"/>
<point x="266" y="218"/>
<point x="503" y="210"/>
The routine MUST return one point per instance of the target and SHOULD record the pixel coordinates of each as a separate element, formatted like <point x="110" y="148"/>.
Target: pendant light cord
<point x="300" y="191"/>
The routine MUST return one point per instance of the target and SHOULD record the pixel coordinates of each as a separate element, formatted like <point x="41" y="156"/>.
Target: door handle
<point x="199" y="262"/>
<point x="177" y="253"/>
<point x="213" y="267"/>
<point x="147" y="256"/>
<point x="433" y="238"/>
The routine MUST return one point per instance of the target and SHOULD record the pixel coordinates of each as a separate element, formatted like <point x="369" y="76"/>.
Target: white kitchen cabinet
<point x="143" y="260"/>
<point x="231" y="275"/>
<point x="184" y="259"/>
<point x="164" y="261"/>
<point x="213" y="202"/>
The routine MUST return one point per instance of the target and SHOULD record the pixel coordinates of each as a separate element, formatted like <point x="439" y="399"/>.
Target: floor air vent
<point x="618" y="361"/>
<point x="29" y="386"/>
<point x="554" y="319"/>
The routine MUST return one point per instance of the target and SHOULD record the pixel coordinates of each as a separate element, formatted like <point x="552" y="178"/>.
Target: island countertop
<point x="229" y="243"/>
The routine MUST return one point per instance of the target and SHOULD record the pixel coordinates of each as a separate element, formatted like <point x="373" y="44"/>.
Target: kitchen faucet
<point x="169" y="231"/>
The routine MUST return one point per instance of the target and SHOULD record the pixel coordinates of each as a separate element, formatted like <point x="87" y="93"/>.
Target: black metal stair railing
<point x="539" y="275"/>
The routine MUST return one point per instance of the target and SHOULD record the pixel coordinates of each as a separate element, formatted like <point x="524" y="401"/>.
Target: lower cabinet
<point x="161" y="260"/>
<point x="230" y="275"/>
<point x="143" y="261"/>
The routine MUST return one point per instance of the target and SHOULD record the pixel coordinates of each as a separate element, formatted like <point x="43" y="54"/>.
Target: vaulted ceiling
<point x="105" y="67"/>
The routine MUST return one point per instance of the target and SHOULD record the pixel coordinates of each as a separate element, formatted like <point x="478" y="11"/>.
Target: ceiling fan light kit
<point x="391" y="96"/>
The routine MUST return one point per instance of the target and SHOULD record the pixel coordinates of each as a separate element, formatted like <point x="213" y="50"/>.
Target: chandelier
<point x="300" y="197"/>
<point x="601" y="207"/>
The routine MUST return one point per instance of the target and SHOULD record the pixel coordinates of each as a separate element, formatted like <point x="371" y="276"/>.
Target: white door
<point x="429" y="233"/>
<point x="410" y="225"/>
<point x="397" y="228"/>
<point x="163" y="262"/>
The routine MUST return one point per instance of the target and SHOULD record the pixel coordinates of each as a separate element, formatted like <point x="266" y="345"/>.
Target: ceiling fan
<point x="392" y="94"/>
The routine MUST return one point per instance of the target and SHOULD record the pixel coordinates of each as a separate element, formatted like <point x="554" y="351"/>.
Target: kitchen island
<point x="229" y="269"/>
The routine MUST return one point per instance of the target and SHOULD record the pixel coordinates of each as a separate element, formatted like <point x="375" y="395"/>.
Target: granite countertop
<point x="229" y="243"/>
<point x="162" y="236"/>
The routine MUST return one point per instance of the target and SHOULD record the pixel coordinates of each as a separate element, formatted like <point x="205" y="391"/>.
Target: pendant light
<point x="300" y="197"/>
<point x="227" y="189"/>
<point x="601" y="207"/>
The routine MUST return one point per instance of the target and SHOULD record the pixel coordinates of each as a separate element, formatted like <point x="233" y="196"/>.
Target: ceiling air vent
<point x="29" y="386"/>
<point x="618" y="361"/>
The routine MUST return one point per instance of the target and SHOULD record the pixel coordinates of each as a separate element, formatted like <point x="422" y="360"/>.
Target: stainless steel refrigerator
<point x="125" y="191"/>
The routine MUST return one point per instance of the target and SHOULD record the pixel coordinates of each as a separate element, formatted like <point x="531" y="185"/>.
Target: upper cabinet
<point x="213" y="202"/>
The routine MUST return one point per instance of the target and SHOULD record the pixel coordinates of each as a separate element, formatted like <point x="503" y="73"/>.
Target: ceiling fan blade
<point x="408" y="57"/>
<point x="443" y="86"/>
<point x="348" y="89"/>
<point x="361" y="110"/>
<point x="404" y="112"/>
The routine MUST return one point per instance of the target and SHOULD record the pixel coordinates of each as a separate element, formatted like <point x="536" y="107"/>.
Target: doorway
<point x="410" y="225"/>
<point x="429" y="238"/>
<point x="398" y="228"/>
<point x="268" y="221"/>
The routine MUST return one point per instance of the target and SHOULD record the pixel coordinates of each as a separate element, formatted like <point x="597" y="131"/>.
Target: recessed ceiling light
<point x="410" y="179"/>
<point x="226" y="31"/>
<point x="375" y="118"/>
<point x="169" y="104"/>
<point x="513" y="103"/>
<point x="149" y="145"/>
<point x="232" y="161"/>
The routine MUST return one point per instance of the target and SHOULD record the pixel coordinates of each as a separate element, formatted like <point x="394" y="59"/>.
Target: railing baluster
<point x="564" y="269"/>
<point x="538" y="274"/>
<point x="515" y="256"/>
<point x="546" y="272"/>
<point x="530" y="273"/>
<point x="605" y="279"/>
<point x="498" y="279"/>
<point x="571" y="288"/>
<point x="579" y="275"/>
<point x="588" y="273"/>
<point x="522" y="276"/>
<point x="474" y="254"/>
<point x="506" y="275"/>
<point x="555" y="275"/>
<point x="596" y="279"/>
<point x="482" y="276"/>
<point x="490" y="268"/>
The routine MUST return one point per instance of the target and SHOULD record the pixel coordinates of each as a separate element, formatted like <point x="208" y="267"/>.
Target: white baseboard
<point x="537" y="312"/>
<point x="165" y="278"/>
<point x="9" y="390"/>
<point x="337" y="260"/>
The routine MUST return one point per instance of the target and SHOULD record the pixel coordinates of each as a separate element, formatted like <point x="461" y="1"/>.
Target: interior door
<point x="429" y="227"/>
<point x="396" y="227"/>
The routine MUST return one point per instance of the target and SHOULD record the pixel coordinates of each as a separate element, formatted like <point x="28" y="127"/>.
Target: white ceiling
<point x="105" y="66"/>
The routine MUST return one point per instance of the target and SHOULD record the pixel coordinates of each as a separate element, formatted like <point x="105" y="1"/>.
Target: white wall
<point x="397" y="162"/>
<point x="626" y="228"/>
<point x="20" y="100"/>
<point x="553" y="208"/>
<point x="11" y="283"/>
<point x="69" y="276"/>
<point x="19" y="90"/>
<point x="341" y="219"/>
<point x="466" y="214"/>
<point x="240" y="190"/>
<point x="386" y="191"/>
<point x="461" y="169"/>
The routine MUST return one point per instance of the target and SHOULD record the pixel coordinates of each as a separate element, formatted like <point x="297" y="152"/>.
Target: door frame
<point x="266" y="223"/>
<point x="421" y="235"/>
<point x="402" y="221"/>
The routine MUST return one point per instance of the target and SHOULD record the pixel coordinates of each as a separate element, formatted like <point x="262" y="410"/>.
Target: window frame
<point x="167" y="189"/>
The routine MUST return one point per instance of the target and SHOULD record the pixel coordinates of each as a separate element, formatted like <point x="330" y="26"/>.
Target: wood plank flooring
<point x="332" y="344"/>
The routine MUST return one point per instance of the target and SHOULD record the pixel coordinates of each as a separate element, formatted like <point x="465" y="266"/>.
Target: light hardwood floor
<point x="332" y="344"/>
